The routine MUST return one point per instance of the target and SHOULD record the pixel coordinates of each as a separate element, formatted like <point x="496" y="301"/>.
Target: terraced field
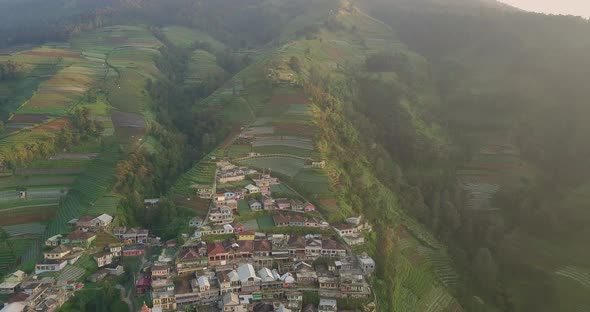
<point x="185" y="37"/>
<point x="202" y="173"/>
<point x="203" y="66"/>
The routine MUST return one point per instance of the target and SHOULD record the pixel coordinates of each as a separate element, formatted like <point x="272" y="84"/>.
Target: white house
<point x="252" y="189"/>
<point x="50" y="265"/>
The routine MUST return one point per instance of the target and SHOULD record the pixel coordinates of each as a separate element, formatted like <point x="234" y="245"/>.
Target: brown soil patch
<point x="329" y="202"/>
<point x="29" y="118"/>
<point x="54" y="125"/>
<point x="332" y="52"/>
<point x="132" y="120"/>
<point x="288" y="99"/>
<point x="53" y="53"/>
<point x="229" y="140"/>
<point x="20" y="218"/>
<point x="199" y="205"/>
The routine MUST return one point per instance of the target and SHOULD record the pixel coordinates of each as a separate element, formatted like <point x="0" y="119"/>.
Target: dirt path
<point x="126" y="299"/>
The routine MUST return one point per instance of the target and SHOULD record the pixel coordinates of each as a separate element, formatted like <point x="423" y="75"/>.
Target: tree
<point x="295" y="64"/>
<point x="485" y="269"/>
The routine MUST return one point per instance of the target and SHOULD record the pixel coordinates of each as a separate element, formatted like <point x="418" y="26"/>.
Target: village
<point x="220" y="264"/>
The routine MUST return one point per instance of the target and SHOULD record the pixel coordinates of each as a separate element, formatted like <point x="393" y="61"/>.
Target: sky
<point x="573" y="7"/>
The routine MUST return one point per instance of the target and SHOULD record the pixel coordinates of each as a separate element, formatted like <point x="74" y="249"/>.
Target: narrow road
<point x="125" y="299"/>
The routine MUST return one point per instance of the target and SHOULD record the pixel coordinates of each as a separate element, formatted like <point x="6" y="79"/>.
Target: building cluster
<point x="254" y="269"/>
<point x="237" y="270"/>
<point x="31" y="293"/>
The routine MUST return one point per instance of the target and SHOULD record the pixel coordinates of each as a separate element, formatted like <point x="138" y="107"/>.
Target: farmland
<point x="185" y="37"/>
<point x="115" y="60"/>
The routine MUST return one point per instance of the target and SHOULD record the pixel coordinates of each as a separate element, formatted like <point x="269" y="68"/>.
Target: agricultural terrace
<point x="90" y="193"/>
<point x="201" y="173"/>
<point x="128" y="52"/>
<point x="185" y="37"/>
<point x="55" y="95"/>
<point x="203" y="66"/>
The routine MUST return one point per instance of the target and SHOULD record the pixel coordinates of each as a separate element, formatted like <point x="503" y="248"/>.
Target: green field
<point x="203" y="66"/>
<point x="201" y="173"/>
<point x="243" y="207"/>
<point x="265" y="223"/>
<point x="185" y="37"/>
<point x="290" y="150"/>
<point x="287" y="166"/>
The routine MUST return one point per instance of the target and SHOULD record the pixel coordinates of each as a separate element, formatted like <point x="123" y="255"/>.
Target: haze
<point x="573" y="7"/>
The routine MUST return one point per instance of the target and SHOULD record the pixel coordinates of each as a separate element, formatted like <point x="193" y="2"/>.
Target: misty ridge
<point x="372" y="155"/>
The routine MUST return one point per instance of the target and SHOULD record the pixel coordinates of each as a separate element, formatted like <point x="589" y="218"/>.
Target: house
<point x="190" y="260"/>
<point x="280" y="219"/>
<point x="229" y="281"/>
<point x="268" y="203"/>
<point x="305" y="273"/>
<point x="115" y="249"/>
<point x="58" y="252"/>
<point x="80" y="238"/>
<point x="308" y="207"/>
<point x="50" y="265"/>
<point x="203" y="283"/>
<point x="262" y="248"/>
<point x="296" y="220"/>
<point x="17" y="276"/>
<point x="102" y="222"/>
<point x="238" y="227"/>
<point x="345" y="229"/>
<point x="204" y="191"/>
<point x="103" y="258"/>
<point x="221" y="215"/>
<point x="366" y="263"/>
<point x="203" y="290"/>
<point x="353" y="285"/>
<point x="151" y="202"/>
<point x="53" y="241"/>
<point x="352" y="240"/>
<point x="248" y="280"/>
<point x="196" y="222"/>
<point x="164" y="300"/>
<point x="297" y="205"/>
<point x="283" y="203"/>
<point x="143" y="285"/>
<point x="294" y="300"/>
<point x="160" y="272"/>
<point x="231" y="203"/>
<point x="296" y="247"/>
<point x="327" y="305"/>
<point x="252" y="189"/>
<point x="254" y="204"/>
<point x="313" y="248"/>
<point x="246" y="235"/>
<point x="133" y="251"/>
<point x="332" y="248"/>
<point x="231" y="303"/>
<point x="163" y="285"/>
<point x="354" y="220"/>
<point x="9" y="287"/>
<point x="231" y="175"/>
<point x="84" y="223"/>
<point x="98" y="276"/>
<point x="328" y="282"/>
<point x="131" y="236"/>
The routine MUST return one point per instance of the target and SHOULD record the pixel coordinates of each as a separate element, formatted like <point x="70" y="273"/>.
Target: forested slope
<point x="514" y="104"/>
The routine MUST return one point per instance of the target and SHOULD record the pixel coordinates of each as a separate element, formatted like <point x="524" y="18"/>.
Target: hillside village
<point x="220" y="264"/>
